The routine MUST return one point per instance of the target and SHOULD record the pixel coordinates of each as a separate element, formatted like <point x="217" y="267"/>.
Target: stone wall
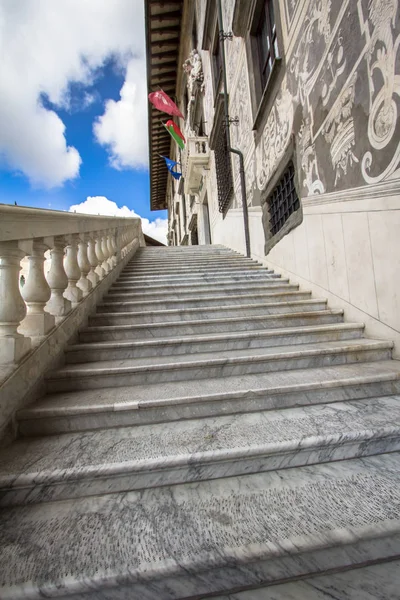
<point x="334" y="104"/>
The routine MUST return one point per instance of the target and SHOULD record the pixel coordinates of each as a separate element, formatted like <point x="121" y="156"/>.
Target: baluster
<point x="72" y="293"/>
<point x="58" y="305"/>
<point x="100" y="257"/>
<point x="114" y="243"/>
<point x="104" y="247"/>
<point x="123" y="242"/>
<point x="110" y="248"/>
<point x="84" y="283"/>
<point x="36" y="293"/>
<point x="92" y="275"/>
<point x="13" y="345"/>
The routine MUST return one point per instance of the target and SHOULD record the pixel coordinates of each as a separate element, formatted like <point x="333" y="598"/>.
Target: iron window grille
<point x="283" y="200"/>
<point x="223" y="167"/>
<point x="266" y="41"/>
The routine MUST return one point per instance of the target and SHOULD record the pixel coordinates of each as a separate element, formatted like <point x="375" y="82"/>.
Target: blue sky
<point x="74" y="109"/>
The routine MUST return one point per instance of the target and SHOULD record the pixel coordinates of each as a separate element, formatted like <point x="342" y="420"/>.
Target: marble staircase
<point x="213" y="430"/>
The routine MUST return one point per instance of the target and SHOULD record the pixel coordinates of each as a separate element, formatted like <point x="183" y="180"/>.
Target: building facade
<point x="313" y="97"/>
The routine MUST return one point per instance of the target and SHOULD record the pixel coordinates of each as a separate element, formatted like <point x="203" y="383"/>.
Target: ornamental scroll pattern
<point x="383" y="96"/>
<point x="275" y="138"/>
<point x="339" y="95"/>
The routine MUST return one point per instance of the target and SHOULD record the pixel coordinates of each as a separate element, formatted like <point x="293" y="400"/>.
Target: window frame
<point x="296" y="217"/>
<point x="246" y="24"/>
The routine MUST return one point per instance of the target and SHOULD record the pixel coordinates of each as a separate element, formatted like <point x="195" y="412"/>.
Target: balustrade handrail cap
<point x="20" y="222"/>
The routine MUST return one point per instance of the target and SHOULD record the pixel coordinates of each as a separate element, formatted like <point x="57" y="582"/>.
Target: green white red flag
<point x="175" y="133"/>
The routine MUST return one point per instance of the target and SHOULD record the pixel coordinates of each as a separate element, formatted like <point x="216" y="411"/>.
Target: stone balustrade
<point x="84" y="250"/>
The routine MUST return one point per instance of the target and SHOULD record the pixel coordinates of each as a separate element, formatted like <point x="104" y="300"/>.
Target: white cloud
<point x="123" y="127"/>
<point x="45" y="45"/>
<point x="100" y="205"/>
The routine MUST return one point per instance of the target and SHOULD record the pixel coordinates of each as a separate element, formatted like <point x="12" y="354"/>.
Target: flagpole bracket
<point x="225" y="35"/>
<point x="234" y="121"/>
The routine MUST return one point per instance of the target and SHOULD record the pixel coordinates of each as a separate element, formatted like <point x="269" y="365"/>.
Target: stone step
<point x="196" y="289"/>
<point x="205" y="326"/>
<point x="162" y="250"/>
<point x="79" y="353"/>
<point x="359" y="583"/>
<point x="74" y="465"/>
<point x="191" y="271"/>
<point x="192" y="262"/>
<point x="207" y="276"/>
<point x="182" y="302"/>
<point x="205" y="537"/>
<point x="210" y="263"/>
<point x="205" y="312"/>
<point x="178" y="400"/>
<point x="206" y="365"/>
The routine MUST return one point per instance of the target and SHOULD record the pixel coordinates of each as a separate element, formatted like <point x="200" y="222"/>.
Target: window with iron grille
<point x="283" y="200"/>
<point x="223" y="168"/>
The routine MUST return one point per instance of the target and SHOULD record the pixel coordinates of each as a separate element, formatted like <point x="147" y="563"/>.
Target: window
<point x="217" y="61"/>
<point x="223" y="167"/>
<point x="259" y="23"/>
<point x="266" y="41"/>
<point x="283" y="200"/>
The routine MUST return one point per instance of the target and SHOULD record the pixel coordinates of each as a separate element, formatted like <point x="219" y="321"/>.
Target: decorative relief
<point x="241" y="135"/>
<point x="233" y="58"/>
<point x="308" y="157"/>
<point x="208" y="97"/>
<point x="336" y="64"/>
<point x="384" y="83"/>
<point x="276" y="136"/>
<point x="339" y="131"/>
<point x="228" y="7"/>
<point x="193" y="68"/>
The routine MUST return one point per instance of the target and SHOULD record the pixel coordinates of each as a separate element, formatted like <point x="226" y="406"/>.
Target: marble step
<point x="205" y="312"/>
<point x="79" y="353"/>
<point x="178" y="400"/>
<point x="206" y="365"/>
<point x="125" y="458"/>
<point x="232" y="263"/>
<point x="204" y="326"/>
<point x="195" y="290"/>
<point x="207" y="537"/>
<point x="203" y="249"/>
<point x="374" y="582"/>
<point x="206" y="275"/>
<point x="194" y="263"/>
<point x="183" y="302"/>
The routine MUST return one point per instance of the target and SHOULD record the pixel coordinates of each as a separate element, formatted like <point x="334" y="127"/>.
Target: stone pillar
<point x="72" y="293"/>
<point x="36" y="292"/>
<point x="58" y="305"/>
<point x="104" y="247"/>
<point x="92" y="275"/>
<point x="84" y="283"/>
<point x="100" y="257"/>
<point x="13" y="345"/>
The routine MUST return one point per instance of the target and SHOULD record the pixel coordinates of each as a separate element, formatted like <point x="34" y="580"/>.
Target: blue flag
<point x="170" y="166"/>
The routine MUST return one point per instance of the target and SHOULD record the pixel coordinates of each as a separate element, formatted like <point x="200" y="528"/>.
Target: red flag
<point x="164" y="103"/>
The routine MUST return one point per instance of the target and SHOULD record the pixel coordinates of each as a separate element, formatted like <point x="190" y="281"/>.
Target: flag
<point x="175" y="133"/>
<point x="164" y="103"/>
<point x="170" y="166"/>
